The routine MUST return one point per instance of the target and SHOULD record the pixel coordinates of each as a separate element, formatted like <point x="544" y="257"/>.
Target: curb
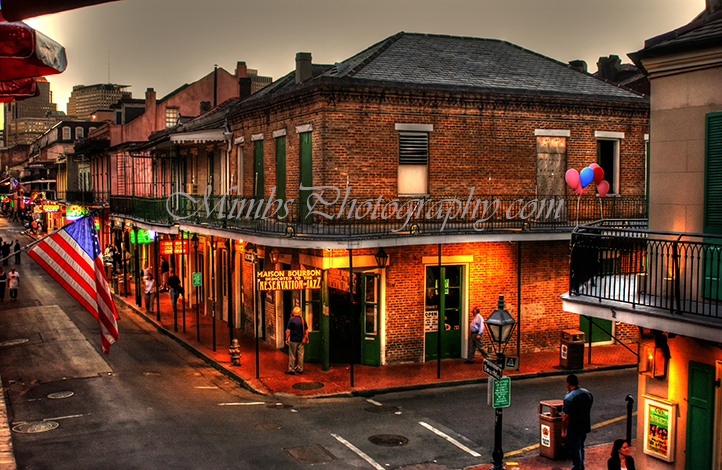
<point x="7" y="455"/>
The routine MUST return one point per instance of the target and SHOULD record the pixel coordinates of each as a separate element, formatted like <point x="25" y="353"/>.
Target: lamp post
<point x="194" y="239"/>
<point x="251" y="251"/>
<point x="214" y="242"/>
<point x="172" y="267"/>
<point x="499" y="325"/>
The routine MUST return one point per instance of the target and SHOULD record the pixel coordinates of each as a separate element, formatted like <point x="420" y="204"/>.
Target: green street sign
<point x="501" y="395"/>
<point x="196" y="278"/>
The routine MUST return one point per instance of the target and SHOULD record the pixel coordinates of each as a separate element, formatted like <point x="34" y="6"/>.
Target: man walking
<point x="476" y="330"/>
<point x="13" y="282"/>
<point x="576" y="420"/>
<point x="296" y="337"/>
<point x="174" y="284"/>
<point x="17" y="252"/>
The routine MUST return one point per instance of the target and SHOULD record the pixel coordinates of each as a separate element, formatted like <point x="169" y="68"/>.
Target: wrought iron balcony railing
<point x="381" y="218"/>
<point x="676" y="272"/>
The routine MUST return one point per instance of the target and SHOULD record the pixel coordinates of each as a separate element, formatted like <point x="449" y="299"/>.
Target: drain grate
<point x="267" y="426"/>
<point x="311" y="454"/>
<point x="57" y="395"/>
<point x="382" y="409"/>
<point x="307" y="385"/>
<point x="388" y="440"/>
<point x="13" y="342"/>
<point x="35" y="426"/>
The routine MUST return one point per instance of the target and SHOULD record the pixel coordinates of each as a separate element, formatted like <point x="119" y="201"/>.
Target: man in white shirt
<point x="13" y="283"/>
<point x="476" y="330"/>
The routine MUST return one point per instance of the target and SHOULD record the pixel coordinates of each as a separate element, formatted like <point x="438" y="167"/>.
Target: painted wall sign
<point x="659" y="428"/>
<point x="296" y="279"/>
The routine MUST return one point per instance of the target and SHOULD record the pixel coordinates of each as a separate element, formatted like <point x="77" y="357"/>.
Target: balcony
<point x="658" y="280"/>
<point x="79" y="197"/>
<point x="374" y="218"/>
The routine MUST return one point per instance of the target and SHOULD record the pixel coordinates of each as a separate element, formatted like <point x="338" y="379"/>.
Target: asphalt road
<point x="151" y="404"/>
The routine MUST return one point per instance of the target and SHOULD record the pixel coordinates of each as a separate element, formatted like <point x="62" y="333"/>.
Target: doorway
<point x="444" y="295"/>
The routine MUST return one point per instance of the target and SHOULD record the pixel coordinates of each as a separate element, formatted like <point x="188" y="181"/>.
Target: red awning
<point x="16" y="10"/>
<point x="27" y="53"/>
<point x="16" y="90"/>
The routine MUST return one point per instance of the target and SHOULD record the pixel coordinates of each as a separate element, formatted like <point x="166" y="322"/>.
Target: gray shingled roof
<point x="703" y="32"/>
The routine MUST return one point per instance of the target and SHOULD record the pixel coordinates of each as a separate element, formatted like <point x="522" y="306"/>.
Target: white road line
<point x="373" y="402"/>
<point x="238" y="404"/>
<point x="62" y="417"/>
<point x="358" y="451"/>
<point x="450" y="439"/>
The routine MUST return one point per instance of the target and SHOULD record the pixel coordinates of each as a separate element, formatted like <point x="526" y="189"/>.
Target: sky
<point x="163" y="44"/>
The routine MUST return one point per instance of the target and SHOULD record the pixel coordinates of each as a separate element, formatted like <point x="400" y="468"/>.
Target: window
<point x="66" y="133"/>
<point x="305" y="140"/>
<point x="257" y="165"/>
<point x="413" y="172"/>
<point x="713" y="174"/>
<point x="79" y="133"/>
<point x="608" y="157"/>
<point x="551" y="161"/>
<point x="171" y="117"/>
<point x="281" y="168"/>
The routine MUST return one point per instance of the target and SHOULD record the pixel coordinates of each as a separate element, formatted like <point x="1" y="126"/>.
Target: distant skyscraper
<point x="28" y="119"/>
<point x="257" y="81"/>
<point x="85" y="100"/>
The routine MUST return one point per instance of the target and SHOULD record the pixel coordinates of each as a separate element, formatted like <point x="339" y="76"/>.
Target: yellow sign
<point x="289" y="280"/>
<point x="659" y="428"/>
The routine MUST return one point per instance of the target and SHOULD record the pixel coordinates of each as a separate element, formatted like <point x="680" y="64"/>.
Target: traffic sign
<point x="196" y="279"/>
<point x="501" y="394"/>
<point x="491" y="368"/>
<point x="249" y="257"/>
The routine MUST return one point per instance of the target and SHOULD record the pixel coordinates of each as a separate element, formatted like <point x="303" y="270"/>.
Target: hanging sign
<point x="51" y="208"/>
<point x="297" y="279"/>
<point x="174" y="247"/>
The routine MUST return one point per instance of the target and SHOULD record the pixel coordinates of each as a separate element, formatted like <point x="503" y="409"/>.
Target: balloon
<point x="603" y="188"/>
<point x="586" y="176"/>
<point x="598" y="174"/>
<point x="593" y="166"/>
<point x="572" y="178"/>
<point x="579" y="190"/>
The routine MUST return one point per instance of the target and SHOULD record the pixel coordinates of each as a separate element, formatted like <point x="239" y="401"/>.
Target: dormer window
<point x="66" y="133"/>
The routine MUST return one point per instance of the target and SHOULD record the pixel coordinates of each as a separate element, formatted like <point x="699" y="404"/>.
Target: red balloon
<point x="572" y="178"/>
<point x="593" y="166"/>
<point x="598" y="174"/>
<point x="603" y="188"/>
<point x="579" y="189"/>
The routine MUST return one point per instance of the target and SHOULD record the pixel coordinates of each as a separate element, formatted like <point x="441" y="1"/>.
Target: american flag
<point x="72" y="256"/>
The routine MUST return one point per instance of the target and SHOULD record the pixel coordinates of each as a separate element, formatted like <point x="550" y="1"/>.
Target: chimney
<point x="609" y="67"/>
<point x="241" y="69"/>
<point x="244" y="87"/>
<point x="303" y="67"/>
<point x="149" y="99"/>
<point x="579" y="65"/>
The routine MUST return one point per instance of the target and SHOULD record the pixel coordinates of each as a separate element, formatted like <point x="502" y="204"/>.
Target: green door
<point x="443" y="306"/>
<point x="599" y="335"/>
<point x="700" y="416"/>
<point x="370" y="337"/>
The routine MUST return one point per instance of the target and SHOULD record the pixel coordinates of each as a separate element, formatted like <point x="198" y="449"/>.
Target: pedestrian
<point x="620" y="459"/>
<point x="476" y="331"/>
<point x="164" y="268"/>
<point x="17" y="252"/>
<point x="175" y="288"/>
<point x="3" y="282"/>
<point x="576" y="420"/>
<point x="150" y="292"/>
<point x="34" y="226"/>
<point x="117" y="260"/>
<point x="296" y="337"/>
<point x="6" y="252"/>
<point x="147" y="270"/>
<point x="13" y="283"/>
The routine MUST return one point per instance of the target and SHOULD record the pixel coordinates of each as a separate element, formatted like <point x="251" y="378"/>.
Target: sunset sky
<point x="166" y="43"/>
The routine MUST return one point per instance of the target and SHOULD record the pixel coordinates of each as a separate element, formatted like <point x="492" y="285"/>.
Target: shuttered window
<point x="713" y="174"/>
<point x="413" y="170"/>
<point x="413" y="148"/>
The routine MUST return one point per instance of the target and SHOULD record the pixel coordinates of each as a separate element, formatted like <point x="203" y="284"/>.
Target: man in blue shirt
<point x="296" y="337"/>
<point x="476" y="330"/>
<point x="576" y="421"/>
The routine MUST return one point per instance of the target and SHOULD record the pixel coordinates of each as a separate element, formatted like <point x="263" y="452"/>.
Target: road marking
<point x="373" y="402"/>
<point x="359" y="452"/>
<point x="62" y="417"/>
<point x="238" y="404"/>
<point x="450" y="439"/>
<point x="598" y="425"/>
<point x="206" y="387"/>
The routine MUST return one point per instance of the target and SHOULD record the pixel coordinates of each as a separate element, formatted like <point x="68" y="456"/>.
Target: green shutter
<point x="700" y="416"/>
<point x="306" y="157"/>
<point x="281" y="168"/>
<point x="713" y="174"/>
<point x="258" y="168"/>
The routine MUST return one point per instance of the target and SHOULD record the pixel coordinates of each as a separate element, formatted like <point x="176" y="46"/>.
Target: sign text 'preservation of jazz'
<point x="296" y="279"/>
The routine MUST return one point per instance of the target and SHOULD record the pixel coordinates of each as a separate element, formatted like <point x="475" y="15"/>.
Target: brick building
<point x="433" y="125"/>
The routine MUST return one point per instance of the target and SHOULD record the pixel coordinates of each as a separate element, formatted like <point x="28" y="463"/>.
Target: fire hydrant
<point x="235" y="352"/>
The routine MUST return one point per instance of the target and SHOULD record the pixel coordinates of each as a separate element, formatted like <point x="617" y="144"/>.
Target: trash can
<point x="571" y="351"/>
<point x="550" y="429"/>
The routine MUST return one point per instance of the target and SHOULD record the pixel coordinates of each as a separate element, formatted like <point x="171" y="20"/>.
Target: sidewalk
<point x="270" y="379"/>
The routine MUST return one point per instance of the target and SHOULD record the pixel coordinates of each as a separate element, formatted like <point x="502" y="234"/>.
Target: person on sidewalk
<point x="174" y="285"/>
<point x="164" y="268"/>
<point x="476" y="330"/>
<point x="6" y="252"/>
<point x="576" y="420"/>
<point x="620" y="459"/>
<point x="13" y="283"/>
<point x="17" y="252"/>
<point x="150" y="293"/>
<point x="296" y="337"/>
<point x="3" y="282"/>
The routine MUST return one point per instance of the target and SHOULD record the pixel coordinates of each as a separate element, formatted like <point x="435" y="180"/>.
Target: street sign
<point x="196" y="279"/>
<point x="249" y="257"/>
<point x="491" y="368"/>
<point x="501" y="393"/>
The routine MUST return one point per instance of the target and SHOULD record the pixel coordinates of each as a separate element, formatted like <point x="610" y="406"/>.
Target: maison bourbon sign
<point x="296" y="279"/>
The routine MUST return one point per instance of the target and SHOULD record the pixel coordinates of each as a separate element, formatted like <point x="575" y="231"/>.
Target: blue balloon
<point x="586" y="176"/>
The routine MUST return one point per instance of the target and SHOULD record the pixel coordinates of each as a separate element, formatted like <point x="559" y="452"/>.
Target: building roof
<point x="426" y="60"/>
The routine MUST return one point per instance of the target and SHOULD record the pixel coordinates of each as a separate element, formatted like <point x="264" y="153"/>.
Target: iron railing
<point x="79" y="197"/>
<point x="677" y="272"/>
<point x="381" y="217"/>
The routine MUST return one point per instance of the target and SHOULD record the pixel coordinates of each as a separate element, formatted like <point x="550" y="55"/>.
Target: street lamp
<point x="499" y="325"/>
<point x="382" y="259"/>
<point x="273" y="255"/>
